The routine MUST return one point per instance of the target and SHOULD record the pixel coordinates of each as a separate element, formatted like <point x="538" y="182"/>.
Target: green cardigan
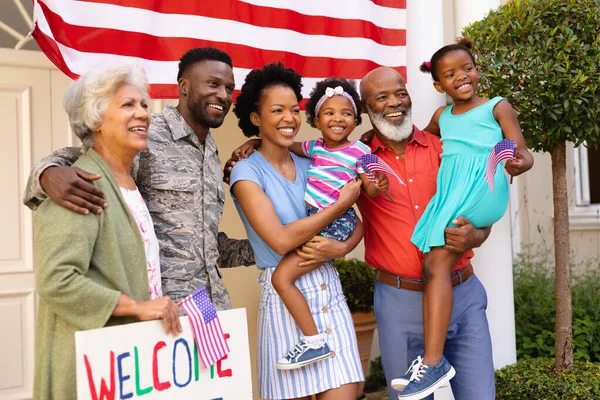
<point x="82" y="265"/>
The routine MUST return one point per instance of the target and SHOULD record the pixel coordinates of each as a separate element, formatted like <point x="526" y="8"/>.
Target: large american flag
<point x="504" y="149"/>
<point x="206" y="326"/>
<point x="317" y="38"/>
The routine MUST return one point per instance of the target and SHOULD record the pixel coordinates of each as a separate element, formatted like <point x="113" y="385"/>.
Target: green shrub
<point x="358" y="282"/>
<point x="536" y="379"/>
<point x="376" y="379"/>
<point x="535" y="313"/>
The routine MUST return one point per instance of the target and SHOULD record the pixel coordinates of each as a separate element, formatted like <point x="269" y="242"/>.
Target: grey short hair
<point x="86" y="98"/>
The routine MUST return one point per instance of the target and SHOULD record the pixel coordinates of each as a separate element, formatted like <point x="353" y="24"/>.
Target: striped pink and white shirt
<point x="330" y="170"/>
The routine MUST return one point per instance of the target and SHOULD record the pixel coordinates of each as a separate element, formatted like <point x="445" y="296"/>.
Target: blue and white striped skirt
<point x="278" y="333"/>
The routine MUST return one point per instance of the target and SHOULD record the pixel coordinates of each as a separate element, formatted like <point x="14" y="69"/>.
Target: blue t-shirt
<point x="287" y="198"/>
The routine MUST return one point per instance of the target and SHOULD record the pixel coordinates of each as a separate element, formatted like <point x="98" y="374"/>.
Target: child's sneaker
<point x="400" y="383"/>
<point x="302" y="355"/>
<point x="427" y="379"/>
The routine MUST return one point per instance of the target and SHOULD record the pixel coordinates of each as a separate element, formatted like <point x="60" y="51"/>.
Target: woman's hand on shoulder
<point x="162" y="308"/>
<point x="245" y="149"/>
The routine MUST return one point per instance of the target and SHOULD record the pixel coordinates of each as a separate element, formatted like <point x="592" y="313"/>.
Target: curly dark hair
<point x="247" y="102"/>
<point x="319" y="90"/>
<point x="200" y="54"/>
<point x="464" y="44"/>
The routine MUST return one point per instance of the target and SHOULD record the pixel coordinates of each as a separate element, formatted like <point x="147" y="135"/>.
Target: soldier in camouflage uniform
<point x="179" y="177"/>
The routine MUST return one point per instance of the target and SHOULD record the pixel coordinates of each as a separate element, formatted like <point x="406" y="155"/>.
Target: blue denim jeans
<point x="468" y="343"/>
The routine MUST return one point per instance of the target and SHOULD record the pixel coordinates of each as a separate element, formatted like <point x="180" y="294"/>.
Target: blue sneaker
<point x="302" y="355"/>
<point x="427" y="379"/>
<point x="400" y="383"/>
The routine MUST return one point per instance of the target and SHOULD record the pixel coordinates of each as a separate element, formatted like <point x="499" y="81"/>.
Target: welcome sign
<point x="141" y="361"/>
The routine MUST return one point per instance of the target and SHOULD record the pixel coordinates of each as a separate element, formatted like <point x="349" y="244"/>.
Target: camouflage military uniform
<point x="181" y="182"/>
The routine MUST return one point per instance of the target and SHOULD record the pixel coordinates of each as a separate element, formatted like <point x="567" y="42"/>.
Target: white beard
<point x="396" y="133"/>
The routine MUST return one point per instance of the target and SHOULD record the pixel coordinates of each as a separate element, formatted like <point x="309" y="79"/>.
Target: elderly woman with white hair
<point x="95" y="270"/>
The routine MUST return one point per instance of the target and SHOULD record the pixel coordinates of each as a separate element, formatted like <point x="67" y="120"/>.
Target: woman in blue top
<point x="469" y="130"/>
<point x="268" y="189"/>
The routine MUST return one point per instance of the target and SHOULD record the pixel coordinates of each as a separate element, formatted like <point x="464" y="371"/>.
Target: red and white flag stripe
<point x="210" y="341"/>
<point x="318" y="39"/>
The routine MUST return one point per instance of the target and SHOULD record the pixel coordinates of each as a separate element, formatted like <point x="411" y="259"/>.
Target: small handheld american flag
<point x="505" y="149"/>
<point x="208" y="333"/>
<point x="368" y="164"/>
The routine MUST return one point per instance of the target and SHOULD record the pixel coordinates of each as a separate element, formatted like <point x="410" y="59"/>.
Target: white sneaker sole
<point x="439" y="384"/>
<point x="286" y="367"/>
<point x="400" y="383"/>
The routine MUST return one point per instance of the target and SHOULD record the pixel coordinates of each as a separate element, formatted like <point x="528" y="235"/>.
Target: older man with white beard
<point x="415" y="156"/>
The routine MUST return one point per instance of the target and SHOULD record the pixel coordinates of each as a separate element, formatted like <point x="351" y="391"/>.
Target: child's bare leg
<point x="438" y="299"/>
<point x="283" y="279"/>
<point x="424" y="311"/>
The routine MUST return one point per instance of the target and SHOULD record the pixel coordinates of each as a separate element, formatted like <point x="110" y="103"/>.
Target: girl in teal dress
<point x="469" y="130"/>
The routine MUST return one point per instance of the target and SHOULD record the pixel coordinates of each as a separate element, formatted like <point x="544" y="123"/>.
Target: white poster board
<point x="141" y="360"/>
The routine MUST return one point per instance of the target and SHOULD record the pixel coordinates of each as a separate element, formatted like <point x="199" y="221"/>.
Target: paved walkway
<point x="381" y="395"/>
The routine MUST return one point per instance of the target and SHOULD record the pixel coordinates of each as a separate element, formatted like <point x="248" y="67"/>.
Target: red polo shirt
<point x="389" y="225"/>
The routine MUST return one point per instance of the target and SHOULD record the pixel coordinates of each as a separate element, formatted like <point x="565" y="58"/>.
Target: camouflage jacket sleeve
<point x="234" y="252"/>
<point x="34" y="194"/>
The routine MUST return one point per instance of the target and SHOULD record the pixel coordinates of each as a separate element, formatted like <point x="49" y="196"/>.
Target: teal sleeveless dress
<point x="467" y="140"/>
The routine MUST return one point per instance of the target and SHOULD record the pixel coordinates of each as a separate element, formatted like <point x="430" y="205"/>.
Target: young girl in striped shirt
<point x="333" y="109"/>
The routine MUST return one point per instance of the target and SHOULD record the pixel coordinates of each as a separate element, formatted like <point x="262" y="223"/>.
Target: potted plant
<point x="358" y="280"/>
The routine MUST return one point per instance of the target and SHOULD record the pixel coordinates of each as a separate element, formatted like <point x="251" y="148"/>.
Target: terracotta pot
<point x="364" y="325"/>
